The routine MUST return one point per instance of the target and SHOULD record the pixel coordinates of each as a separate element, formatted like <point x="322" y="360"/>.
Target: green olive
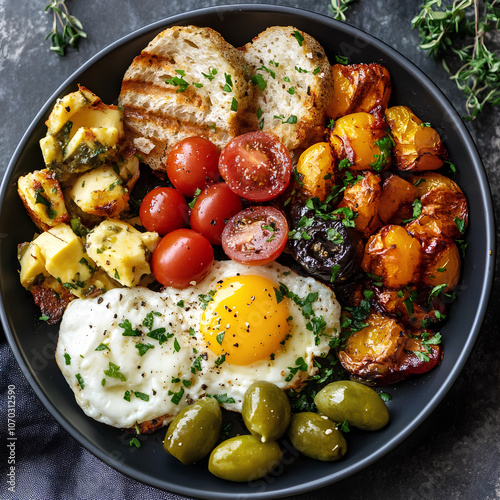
<point x="244" y="458"/>
<point x="192" y="434"/>
<point x="359" y="404"/>
<point x="266" y="411"/>
<point x="316" y="436"/>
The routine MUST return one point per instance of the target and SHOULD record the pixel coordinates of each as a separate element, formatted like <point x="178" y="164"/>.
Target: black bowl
<point x="33" y="341"/>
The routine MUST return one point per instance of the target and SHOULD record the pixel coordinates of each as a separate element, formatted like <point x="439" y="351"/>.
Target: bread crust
<point x="187" y="81"/>
<point x="298" y="85"/>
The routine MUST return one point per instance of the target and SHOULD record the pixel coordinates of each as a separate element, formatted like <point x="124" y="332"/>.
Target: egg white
<point x="182" y="368"/>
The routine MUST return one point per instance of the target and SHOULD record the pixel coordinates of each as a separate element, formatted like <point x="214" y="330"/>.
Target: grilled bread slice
<point x="187" y="81"/>
<point x="293" y="85"/>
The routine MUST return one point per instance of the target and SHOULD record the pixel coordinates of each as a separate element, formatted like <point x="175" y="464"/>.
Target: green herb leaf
<point x="143" y="348"/>
<point x="222" y="398"/>
<point x="113" y="371"/>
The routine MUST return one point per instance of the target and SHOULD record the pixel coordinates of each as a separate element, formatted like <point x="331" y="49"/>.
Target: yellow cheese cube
<point x="89" y="148"/>
<point x="120" y="249"/>
<point x="65" y="258"/>
<point x="100" y="192"/>
<point x="100" y="116"/>
<point x="32" y="265"/>
<point x="66" y="107"/>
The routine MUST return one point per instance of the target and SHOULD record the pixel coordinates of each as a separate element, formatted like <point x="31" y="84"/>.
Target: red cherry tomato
<point x="256" y="166"/>
<point x="181" y="257"/>
<point x="255" y="236"/>
<point x="164" y="209"/>
<point x="212" y="209"/>
<point x="193" y="164"/>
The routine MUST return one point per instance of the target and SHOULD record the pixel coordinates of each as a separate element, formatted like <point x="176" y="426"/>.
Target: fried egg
<point x="134" y="355"/>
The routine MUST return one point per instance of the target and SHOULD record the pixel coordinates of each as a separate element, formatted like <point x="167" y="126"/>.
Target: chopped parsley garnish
<point x="114" y="372"/>
<point x="298" y="37"/>
<point x="460" y="223"/>
<point x="210" y="75"/>
<point x="178" y="81"/>
<point x="143" y="348"/>
<point x="385" y="396"/>
<point x="102" y="347"/>
<point x="259" y="81"/>
<point x="334" y="236"/>
<point x="141" y="395"/>
<point x="300" y="364"/>
<point x="159" y="335"/>
<point x="234" y="105"/>
<point x="128" y="331"/>
<point x="436" y="291"/>
<point x="220" y="360"/>
<point x="206" y="298"/>
<point x="67" y="358"/>
<point x="176" y="396"/>
<point x="80" y="381"/>
<point x="228" y="86"/>
<point x="341" y="59"/>
<point x="301" y="70"/>
<point x="196" y="365"/>
<point x="149" y="319"/>
<point x="222" y="398"/>
<point x="135" y="442"/>
<point x="272" y="228"/>
<point x="382" y="160"/>
<point x="335" y="271"/>
<point x="220" y="337"/>
<point x="177" y="346"/>
<point x="417" y="210"/>
<point x="195" y="197"/>
<point x="292" y="119"/>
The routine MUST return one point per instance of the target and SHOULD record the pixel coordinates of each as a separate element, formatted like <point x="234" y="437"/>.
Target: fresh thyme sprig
<point x="72" y="29"/>
<point x="459" y="29"/>
<point x="338" y="8"/>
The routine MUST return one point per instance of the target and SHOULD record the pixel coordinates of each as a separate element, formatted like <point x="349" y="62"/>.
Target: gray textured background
<point x="455" y="454"/>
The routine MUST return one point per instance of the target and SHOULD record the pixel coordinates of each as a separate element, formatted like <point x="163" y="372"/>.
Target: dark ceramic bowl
<point x="33" y="341"/>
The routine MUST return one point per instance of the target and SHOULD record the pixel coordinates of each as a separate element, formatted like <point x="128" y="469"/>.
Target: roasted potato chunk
<point x="410" y="307"/>
<point x="444" y="207"/>
<point x="418" y="146"/>
<point x="440" y="264"/>
<point x="396" y="200"/>
<point x="376" y="349"/>
<point x="384" y="353"/>
<point x="43" y="198"/>
<point x="359" y="87"/>
<point x="393" y="256"/>
<point x="316" y="167"/>
<point x="362" y="139"/>
<point x="364" y="199"/>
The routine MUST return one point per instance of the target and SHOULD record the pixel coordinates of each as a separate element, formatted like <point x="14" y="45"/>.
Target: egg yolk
<point x="244" y="321"/>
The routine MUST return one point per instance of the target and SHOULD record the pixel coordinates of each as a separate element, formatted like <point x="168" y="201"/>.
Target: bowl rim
<point x="485" y="290"/>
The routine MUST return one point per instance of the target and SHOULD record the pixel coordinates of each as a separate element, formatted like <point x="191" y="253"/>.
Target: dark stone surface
<point x="455" y="454"/>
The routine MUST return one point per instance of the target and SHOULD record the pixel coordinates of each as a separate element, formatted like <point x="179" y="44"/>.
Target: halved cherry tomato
<point x="213" y="207"/>
<point x="164" y="209"/>
<point x="256" y="166"/>
<point x="255" y="236"/>
<point x="182" y="256"/>
<point x="193" y="164"/>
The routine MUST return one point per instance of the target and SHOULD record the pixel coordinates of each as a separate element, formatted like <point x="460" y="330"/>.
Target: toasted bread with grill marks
<point x="293" y="85"/>
<point x="187" y="81"/>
